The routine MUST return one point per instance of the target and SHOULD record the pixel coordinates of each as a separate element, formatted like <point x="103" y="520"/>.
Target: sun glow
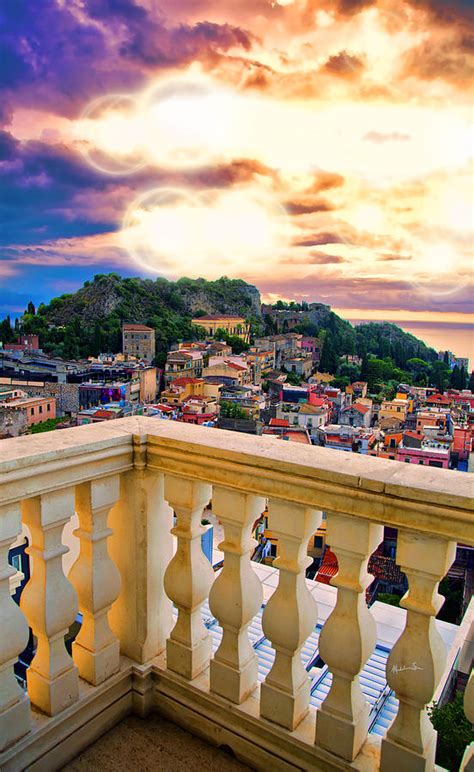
<point x="179" y="232"/>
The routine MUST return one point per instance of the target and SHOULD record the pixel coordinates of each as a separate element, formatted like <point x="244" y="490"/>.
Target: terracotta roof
<point x="183" y="381"/>
<point x="413" y="435"/>
<point x="439" y="398"/>
<point x="318" y="402"/>
<point x="360" y="408"/>
<point x="137" y="327"/>
<point x="235" y="366"/>
<point x="280" y="422"/>
<point x="104" y="414"/>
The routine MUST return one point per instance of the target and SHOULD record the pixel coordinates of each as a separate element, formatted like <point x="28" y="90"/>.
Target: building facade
<point x="138" y="341"/>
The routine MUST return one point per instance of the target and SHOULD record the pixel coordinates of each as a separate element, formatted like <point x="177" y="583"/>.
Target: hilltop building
<point x="138" y="341"/>
<point x="232" y="325"/>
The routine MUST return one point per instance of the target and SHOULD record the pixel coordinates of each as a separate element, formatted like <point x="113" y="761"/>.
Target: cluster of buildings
<point x="204" y="382"/>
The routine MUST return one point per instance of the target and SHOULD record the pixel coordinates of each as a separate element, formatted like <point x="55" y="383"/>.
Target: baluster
<point x="14" y="703"/>
<point x="96" y="580"/>
<point x="236" y="595"/>
<point x="290" y="615"/>
<point x="416" y="662"/>
<point x="348" y="637"/>
<point x="188" y="578"/>
<point x="141" y="546"/>
<point x="49" y="602"/>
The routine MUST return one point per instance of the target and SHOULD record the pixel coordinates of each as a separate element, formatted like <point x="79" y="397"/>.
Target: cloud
<point x="325" y="181"/>
<point x="308" y="206"/>
<point x="380" y="136"/>
<point x="343" y="65"/>
<point x="448" y="59"/>
<point x="319" y="239"/>
<point x="62" y="55"/>
<point x="392" y="258"/>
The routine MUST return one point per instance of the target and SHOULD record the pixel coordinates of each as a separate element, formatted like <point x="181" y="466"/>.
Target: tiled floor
<point x="149" y="745"/>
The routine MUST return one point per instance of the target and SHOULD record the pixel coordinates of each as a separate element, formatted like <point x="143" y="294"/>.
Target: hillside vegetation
<point x="89" y="322"/>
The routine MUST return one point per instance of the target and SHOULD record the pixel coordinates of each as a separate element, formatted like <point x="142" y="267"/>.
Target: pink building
<point x="415" y="450"/>
<point x="312" y="346"/>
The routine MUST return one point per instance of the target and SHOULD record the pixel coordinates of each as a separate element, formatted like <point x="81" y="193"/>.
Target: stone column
<point x="14" y="703"/>
<point x="236" y="595"/>
<point x="188" y="578"/>
<point x="416" y="662"/>
<point x="141" y="546"/>
<point x="348" y="637"/>
<point x="96" y="579"/>
<point x="290" y="615"/>
<point x="49" y="602"/>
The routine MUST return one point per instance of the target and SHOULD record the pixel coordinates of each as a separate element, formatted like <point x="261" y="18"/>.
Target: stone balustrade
<point x="124" y="479"/>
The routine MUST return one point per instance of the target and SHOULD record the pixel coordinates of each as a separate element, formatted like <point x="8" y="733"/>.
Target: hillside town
<point x="274" y="387"/>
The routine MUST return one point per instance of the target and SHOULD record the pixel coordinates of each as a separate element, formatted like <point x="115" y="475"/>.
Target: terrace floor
<point x="152" y="744"/>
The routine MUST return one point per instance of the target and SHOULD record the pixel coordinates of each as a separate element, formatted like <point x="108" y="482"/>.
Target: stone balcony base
<point x="142" y="690"/>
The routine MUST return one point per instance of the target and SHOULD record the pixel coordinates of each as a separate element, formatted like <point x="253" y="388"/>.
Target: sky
<point x="320" y="149"/>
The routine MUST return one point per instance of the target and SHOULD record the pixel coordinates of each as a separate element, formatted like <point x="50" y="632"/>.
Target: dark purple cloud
<point x="56" y="58"/>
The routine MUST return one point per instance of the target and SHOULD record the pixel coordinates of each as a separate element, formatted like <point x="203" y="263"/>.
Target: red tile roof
<point x="283" y="423"/>
<point x="360" y="408"/>
<point x="104" y="414"/>
<point x="439" y="398"/>
<point x="184" y="380"/>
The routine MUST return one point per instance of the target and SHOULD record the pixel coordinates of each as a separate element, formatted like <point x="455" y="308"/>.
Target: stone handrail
<point x="125" y="478"/>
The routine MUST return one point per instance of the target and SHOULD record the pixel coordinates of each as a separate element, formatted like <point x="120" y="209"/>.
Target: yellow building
<point x="395" y="408"/>
<point x="233" y="325"/>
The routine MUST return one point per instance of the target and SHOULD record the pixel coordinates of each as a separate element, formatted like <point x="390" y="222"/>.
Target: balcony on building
<point x="123" y="614"/>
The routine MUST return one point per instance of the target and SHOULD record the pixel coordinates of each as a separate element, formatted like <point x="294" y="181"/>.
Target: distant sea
<point x="456" y="337"/>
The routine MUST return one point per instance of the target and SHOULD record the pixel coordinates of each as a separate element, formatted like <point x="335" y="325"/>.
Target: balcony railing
<point x="123" y="480"/>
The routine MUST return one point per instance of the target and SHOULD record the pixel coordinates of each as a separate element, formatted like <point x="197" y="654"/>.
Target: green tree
<point x="454" y="732"/>
<point x="6" y="332"/>
<point x="232" y="410"/>
<point x="439" y="375"/>
<point x="31" y="308"/>
<point x="329" y="359"/>
<point x="293" y="379"/>
<point x="237" y="344"/>
<point x="471" y="382"/>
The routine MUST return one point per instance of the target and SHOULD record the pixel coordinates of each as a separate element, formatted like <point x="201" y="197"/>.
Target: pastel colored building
<point x="187" y="363"/>
<point x="415" y="450"/>
<point x="394" y="408"/>
<point x="37" y="409"/>
<point x="232" y="325"/>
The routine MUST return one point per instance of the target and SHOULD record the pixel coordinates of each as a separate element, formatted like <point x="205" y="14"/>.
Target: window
<point x="15" y="561"/>
<point x="318" y="542"/>
<point x="32" y="411"/>
<point x="407" y="460"/>
<point x="48" y="408"/>
<point x="40" y="408"/>
<point x="435" y="463"/>
<point x="420" y="461"/>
